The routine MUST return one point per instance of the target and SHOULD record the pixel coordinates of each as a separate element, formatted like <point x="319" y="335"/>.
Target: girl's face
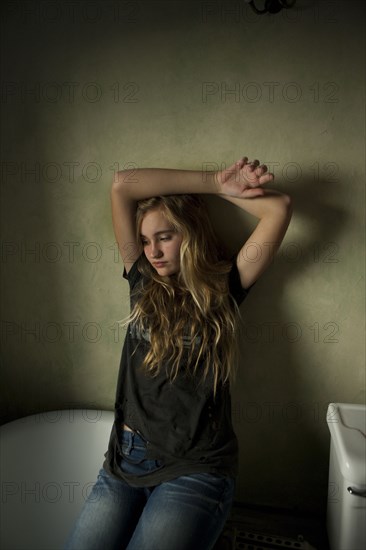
<point x="161" y="243"/>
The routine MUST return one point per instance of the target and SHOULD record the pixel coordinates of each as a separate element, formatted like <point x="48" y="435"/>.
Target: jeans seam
<point x="227" y="485"/>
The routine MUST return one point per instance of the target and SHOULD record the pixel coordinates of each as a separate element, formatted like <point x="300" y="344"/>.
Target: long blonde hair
<point x="196" y="297"/>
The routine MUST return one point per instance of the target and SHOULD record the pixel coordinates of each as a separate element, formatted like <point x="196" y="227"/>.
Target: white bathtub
<point x="49" y="463"/>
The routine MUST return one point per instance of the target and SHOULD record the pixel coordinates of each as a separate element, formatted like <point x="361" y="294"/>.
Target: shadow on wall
<point x="278" y="438"/>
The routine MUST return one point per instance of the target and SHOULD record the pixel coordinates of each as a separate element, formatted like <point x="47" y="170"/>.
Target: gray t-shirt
<point x="183" y="427"/>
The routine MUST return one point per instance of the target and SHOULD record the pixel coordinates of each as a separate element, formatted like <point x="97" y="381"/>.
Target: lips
<point x="159" y="264"/>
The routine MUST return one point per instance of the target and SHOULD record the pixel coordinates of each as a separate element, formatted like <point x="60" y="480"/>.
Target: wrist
<point x="209" y="183"/>
<point x="216" y="185"/>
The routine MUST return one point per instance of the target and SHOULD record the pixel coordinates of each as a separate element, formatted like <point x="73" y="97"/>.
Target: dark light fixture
<point x="272" y="6"/>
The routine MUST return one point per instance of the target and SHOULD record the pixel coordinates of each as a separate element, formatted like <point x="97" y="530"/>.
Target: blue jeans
<point x="184" y="513"/>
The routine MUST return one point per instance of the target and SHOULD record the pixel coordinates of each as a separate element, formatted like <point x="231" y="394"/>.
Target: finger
<point x="266" y="178"/>
<point x="249" y="170"/>
<point x="254" y="164"/>
<point x="242" y="162"/>
<point x="261" y="180"/>
<point x="261" y="170"/>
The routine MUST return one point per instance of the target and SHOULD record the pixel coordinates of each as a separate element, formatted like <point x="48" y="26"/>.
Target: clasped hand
<point x="243" y="179"/>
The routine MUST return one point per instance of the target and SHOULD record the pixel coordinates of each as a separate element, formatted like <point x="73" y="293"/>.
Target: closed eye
<point x="168" y="238"/>
<point x="162" y="235"/>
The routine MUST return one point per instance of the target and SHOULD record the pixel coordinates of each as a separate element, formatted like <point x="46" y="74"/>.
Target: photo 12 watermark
<point x="92" y="252"/>
<point x="92" y="332"/>
<point x="286" y="172"/>
<point x="269" y="92"/>
<point x="67" y="172"/>
<point x="68" y="92"/>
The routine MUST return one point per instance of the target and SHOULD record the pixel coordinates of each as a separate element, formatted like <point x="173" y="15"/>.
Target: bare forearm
<point x="271" y="203"/>
<point x="144" y="183"/>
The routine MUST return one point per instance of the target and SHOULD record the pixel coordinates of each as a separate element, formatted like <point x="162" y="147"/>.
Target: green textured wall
<point x="91" y="86"/>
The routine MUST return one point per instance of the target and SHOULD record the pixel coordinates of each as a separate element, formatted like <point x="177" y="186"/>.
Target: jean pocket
<point x="133" y="459"/>
<point x="139" y="466"/>
<point x="135" y="454"/>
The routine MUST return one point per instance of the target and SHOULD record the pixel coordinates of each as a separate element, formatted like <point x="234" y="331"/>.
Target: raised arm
<point x="143" y="183"/>
<point x="274" y="210"/>
<point x="129" y="186"/>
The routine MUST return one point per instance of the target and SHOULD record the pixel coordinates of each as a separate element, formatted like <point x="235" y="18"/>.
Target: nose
<point x="155" y="251"/>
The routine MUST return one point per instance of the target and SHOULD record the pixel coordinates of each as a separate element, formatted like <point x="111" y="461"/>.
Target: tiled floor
<point x="250" y="528"/>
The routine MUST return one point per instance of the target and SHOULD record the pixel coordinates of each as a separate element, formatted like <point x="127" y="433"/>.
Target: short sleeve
<point x="133" y="276"/>
<point x="235" y="289"/>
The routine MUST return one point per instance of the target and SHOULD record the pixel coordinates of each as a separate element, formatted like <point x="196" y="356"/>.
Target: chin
<point x="165" y="271"/>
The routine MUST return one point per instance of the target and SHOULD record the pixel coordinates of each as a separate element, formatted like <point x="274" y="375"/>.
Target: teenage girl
<point x="168" y="479"/>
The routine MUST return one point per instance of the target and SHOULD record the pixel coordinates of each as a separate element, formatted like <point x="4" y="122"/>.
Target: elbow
<point x="282" y="209"/>
<point x="287" y="205"/>
<point x="287" y="201"/>
<point x="119" y="181"/>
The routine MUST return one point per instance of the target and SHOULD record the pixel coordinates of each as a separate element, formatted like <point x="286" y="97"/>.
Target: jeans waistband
<point x="132" y="438"/>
